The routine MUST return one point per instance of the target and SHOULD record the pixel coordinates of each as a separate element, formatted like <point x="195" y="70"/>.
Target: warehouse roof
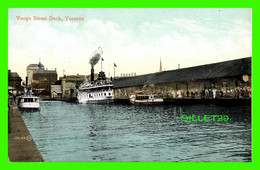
<point x="230" y="68"/>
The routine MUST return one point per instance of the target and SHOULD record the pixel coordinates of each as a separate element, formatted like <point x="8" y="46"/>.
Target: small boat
<point x="28" y="101"/>
<point x="140" y="98"/>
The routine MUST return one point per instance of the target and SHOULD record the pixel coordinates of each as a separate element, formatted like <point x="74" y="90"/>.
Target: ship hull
<point x="84" y="99"/>
<point x="146" y="102"/>
<point x="28" y="103"/>
<point x="105" y="101"/>
<point x="141" y="99"/>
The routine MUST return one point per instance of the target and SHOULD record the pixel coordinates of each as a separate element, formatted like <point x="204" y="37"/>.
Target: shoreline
<point x="177" y="101"/>
<point x="21" y="146"/>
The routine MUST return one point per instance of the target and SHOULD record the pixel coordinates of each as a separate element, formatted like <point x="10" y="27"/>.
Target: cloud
<point x="148" y="27"/>
<point x="69" y="45"/>
<point x="109" y="32"/>
<point x="62" y="47"/>
<point x="188" y="24"/>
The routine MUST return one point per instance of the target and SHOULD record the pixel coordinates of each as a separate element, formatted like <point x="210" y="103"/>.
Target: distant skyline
<point x="133" y="38"/>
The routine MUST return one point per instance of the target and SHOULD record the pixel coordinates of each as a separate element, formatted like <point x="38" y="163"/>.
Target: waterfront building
<point x="70" y="84"/>
<point x="42" y="81"/>
<point x="31" y="69"/>
<point x="56" y="90"/>
<point x="14" y="82"/>
<point x="225" y="77"/>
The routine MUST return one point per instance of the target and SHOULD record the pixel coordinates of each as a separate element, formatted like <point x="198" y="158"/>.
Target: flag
<point x="115" y="65"/>
<point x="102" y="59"/>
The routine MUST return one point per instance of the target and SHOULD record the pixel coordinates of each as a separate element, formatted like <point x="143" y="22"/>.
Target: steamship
<point x="99" y="90"/>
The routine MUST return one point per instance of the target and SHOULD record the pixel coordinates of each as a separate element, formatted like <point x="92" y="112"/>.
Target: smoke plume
<point x="95" y="57"/>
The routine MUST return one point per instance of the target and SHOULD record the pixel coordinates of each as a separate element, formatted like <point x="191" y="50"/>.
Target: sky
<point x="135" y="39"/>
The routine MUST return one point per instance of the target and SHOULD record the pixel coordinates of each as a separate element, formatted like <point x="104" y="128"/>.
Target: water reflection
<point x="76" y="132"/>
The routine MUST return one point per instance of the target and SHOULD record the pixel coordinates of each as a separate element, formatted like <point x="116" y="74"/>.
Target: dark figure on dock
<point x="237" y="93"/>
<point x="187" y="93"/>
<point x="202" y="93"/>
<point x="242" y="93"/>
<point x="245" y="92"/>
<point x="221" y="94"/>
<point x="192" y="94"/>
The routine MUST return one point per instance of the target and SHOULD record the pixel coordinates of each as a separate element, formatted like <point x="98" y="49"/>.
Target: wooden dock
<point x="21" y="147"/>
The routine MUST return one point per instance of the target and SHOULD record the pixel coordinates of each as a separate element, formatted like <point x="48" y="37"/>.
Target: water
<point x="71" y="132"/>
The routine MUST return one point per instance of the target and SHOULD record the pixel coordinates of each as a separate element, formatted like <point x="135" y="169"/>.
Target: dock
<point x="186" y="101"/>
<point x="21" y="146"/>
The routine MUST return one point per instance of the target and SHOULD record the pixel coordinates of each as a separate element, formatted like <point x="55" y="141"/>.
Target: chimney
<point x="26" y="81"/>
<point x="92" y="73"/>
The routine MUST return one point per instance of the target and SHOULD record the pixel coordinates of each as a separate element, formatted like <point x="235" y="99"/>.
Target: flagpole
<point x="114" y="71"/>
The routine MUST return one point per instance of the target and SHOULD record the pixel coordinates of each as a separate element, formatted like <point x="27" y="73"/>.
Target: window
<point x="28" y="100"/>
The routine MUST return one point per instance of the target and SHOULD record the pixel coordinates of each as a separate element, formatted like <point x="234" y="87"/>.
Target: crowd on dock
<point x="234" y="93"/>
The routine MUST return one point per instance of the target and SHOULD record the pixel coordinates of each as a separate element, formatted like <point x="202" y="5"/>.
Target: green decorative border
<point x="125" y="4"/>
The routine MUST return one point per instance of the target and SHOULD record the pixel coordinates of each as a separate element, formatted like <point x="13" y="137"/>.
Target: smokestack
<point x="94" y="60"/>
<point x="92" y="73"/>
<point x="26" y="81"/>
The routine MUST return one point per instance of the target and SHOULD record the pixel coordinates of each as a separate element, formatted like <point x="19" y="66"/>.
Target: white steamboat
<point x="96" y="91"/>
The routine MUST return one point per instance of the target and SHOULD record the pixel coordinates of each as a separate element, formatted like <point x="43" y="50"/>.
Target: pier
<point x="21" y="147"/>
<point x="223" y="80"/>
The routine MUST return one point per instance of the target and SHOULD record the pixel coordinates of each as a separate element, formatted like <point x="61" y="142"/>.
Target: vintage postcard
<point x="129" y="84"/>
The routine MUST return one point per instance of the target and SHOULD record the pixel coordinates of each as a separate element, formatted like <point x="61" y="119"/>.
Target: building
<point x="223" y="76"/>
<point x="14" y="82"/>
<point x="42" y="80"/>
<point x="31" y="69"/>
<point x="88" y="77"/>
<point x="56" y="90"/>
<point x="68" y="86"/>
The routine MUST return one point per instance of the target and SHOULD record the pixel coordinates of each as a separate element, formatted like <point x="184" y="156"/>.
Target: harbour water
<point x="71" y="132"/>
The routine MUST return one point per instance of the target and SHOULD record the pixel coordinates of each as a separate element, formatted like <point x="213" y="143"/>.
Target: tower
<point x="160" y="70"/>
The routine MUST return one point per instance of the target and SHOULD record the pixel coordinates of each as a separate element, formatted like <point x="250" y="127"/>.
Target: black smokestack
<point x="26" y="81"/>
<point x="92" y="73"/>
